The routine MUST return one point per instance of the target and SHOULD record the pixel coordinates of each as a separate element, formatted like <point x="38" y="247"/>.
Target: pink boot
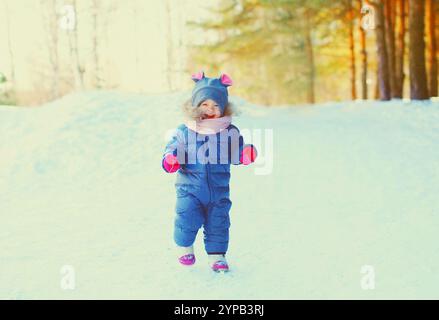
<point x="187" y="257"/>
<point x="218" y="263"/>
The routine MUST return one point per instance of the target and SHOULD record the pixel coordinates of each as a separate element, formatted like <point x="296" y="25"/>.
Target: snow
<point x="351" y="185"/>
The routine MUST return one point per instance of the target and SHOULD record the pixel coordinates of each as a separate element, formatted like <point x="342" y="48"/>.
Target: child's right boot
<point x="186" y="255"/>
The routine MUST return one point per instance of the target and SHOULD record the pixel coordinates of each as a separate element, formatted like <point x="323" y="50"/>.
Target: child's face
<point x="209" y="109"/>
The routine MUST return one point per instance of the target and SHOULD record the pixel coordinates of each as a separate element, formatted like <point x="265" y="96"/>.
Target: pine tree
<point x="400" y="48"/>
<point x="418" y="75"/>
<point x="383" y="62"/>
<point x="432" y="49"/>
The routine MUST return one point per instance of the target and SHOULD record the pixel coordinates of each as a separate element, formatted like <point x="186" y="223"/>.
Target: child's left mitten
<point x="170" y="163"/>
<point x="249" y="154"/>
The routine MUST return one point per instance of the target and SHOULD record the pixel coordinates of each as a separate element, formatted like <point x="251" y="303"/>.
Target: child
<point x="201" y="151"/>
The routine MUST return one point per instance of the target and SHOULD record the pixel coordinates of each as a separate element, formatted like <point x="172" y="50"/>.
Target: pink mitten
<point x="248" y="155"/>
<point x="170" y="163"/>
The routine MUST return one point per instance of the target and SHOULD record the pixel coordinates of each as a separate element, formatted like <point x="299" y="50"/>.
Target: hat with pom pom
<point x="211" y="88"/>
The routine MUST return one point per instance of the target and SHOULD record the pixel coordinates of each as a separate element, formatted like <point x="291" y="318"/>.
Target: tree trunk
<point x="169" y="46"/>
<point x="50" y="20"/>
<point x="309" y="51"/>
<point x="363" y="53"/>
<point x="400" y="49"/>
<point x="135" y="14"/>
<point x="418" y="74"/>
<point x="74" y="52"/>
<point x="377" y="86"/>
<point x="10" y="51"/>
<point x="352" y="49"/>
<point x="433" y="73"/>
<point x="95" y="11"/>
<point x="383" y="64"/>
<point x="390" y="39"/>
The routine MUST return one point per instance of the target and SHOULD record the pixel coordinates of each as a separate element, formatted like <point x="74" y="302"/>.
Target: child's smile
<point x="209" y="109"/>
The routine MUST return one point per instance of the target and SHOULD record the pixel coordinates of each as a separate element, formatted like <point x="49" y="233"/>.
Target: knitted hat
<point x="211" y="88"/>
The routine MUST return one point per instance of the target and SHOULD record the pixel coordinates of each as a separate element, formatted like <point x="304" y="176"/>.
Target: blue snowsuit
<point x="202" y="185"/>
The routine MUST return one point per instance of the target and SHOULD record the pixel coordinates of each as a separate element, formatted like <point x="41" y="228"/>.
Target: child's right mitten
<point x="170" y="163"/>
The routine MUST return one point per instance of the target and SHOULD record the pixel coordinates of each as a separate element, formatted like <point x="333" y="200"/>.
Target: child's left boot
<point x="218" y="263"/>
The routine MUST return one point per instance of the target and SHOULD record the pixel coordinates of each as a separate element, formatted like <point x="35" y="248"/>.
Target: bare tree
<point x="418" y="74"/>
<point x="49" y="11"/>
<point x="390" y="39"/>
<point x="309" y="51"/>
<point x="432" y="49"/>
<point x="180" y="71"/>
<point x="95" y="36"/>
<point x="351" y="17"/>
<point x="400" y="49"/>
<point x="363" y="53"/>
<point x="77" y="69"/>
<point x="135" y="13"/>
<point x="383" y="62"/>
<point x="10" y="50"/>
<point x="169" y="45"/>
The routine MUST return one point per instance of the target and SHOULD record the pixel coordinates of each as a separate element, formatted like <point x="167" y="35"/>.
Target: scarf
<point x="209" y="126"/>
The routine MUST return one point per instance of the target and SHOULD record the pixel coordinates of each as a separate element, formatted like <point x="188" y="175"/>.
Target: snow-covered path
<point x="352" y="184"/>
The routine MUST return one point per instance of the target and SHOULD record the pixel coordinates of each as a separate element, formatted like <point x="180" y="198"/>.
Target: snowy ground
<point x="352" y="184"/>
